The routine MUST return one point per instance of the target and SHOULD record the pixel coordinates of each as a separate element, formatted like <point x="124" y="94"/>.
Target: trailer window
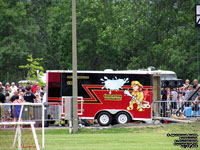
<point x="54" y="86"/>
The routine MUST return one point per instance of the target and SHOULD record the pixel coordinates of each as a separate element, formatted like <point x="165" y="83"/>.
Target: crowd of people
<point x="18" y="94"/>
<point x="175" y="100"/>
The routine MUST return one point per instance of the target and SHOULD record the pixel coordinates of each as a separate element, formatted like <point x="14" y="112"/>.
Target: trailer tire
<point x="122" y="118"/>
<point x="104" y="119"/>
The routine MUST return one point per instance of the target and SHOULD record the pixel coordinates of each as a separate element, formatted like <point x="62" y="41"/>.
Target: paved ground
<point x="128" y="125"/>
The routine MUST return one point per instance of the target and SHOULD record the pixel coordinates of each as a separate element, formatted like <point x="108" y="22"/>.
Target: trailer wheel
<point x="104" y="119"/>
<point x="122" y="118"/>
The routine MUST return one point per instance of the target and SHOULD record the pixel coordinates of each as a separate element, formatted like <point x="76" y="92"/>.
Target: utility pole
<point x="197" y="24"/>
<point x="74" y="61"/>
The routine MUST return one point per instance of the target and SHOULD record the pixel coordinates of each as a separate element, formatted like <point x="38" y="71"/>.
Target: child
<point x="17" y="109"/>
<point x="38" y="98"/>
<point x="8" y="107"/>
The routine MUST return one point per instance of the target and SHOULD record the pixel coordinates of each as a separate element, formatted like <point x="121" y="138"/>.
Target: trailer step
<point x="172" y="119"/>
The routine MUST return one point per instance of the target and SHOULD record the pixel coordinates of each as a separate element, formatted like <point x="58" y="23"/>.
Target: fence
<point x="189" y="109"/>
<point x="57" y="113"/>
<point x="53" y="113"/>
<point x="30" y="112"/>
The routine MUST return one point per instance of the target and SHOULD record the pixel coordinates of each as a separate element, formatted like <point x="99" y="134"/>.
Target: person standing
<point x="7" y="87"/>
<point x="28" y="85"/>
<point x="1" y="86"/>
<point x="191" y="94"/>
<point x="8" y="107"/>
<point x="17" y="109"/>
<point x="174" y="94"/>
<point x="2" y="100"/>
<point x="186" y="85"/>
<point x="34" y="88"/>
<point x="195" y="83"/>
<point x="30" y="98"/>
<point x="195" y="107"/>
<point x="188" y="92"/>
<point x="13" y="88"/>
<point x="38" y="90"/>
<point x="2" y="96"/>
<point x="14" y="96"/>
<point x="164" y="101"/>
<point x="181" y="103"/>
<point x="44" y="99"/>
<point x="12" y="99"/>
<point x="21" y="85"/>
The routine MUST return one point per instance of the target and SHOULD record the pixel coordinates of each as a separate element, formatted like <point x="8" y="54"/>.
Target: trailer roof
<point x="110" y="71"/>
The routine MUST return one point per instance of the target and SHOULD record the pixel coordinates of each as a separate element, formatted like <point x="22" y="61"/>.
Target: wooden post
<point x="156" y="94"/>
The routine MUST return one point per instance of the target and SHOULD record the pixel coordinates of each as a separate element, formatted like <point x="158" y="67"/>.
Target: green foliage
<point x="114" y="34"/>
<point x="167" y="37"/>
<point x="33" y="67"/>
<point x="18" y="38"/>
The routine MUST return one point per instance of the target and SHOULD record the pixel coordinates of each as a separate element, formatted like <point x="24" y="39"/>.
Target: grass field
<point x="122" y="138"/>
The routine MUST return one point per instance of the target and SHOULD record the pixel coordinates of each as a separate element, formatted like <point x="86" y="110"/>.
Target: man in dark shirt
<point x="13" y="98"/>
<point x="29" y="96"/>
<point x="2" y="97"/>
<point x="164" y="99"/>
<point x="20" y="89"/>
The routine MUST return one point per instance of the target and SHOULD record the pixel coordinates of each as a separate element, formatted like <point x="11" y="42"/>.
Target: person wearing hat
<point x="21" y="86"/>
<point x="137" y="96"/>
<point x="28" y="85"/>
<point x="7" y="87"/>
<point x="13" y="88"/>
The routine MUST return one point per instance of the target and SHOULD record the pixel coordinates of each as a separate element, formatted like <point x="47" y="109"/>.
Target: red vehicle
<point x="108" y="96"/>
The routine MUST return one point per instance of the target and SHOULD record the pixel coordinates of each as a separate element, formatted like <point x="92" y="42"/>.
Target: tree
<point x="169" y="38"/>
<point x="32" y="68"/>
<point x="114" y="34"/>
<point x="18" y="38"/>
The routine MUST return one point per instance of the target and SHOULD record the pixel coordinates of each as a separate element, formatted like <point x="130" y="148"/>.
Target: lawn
<point x="121" y="138"/>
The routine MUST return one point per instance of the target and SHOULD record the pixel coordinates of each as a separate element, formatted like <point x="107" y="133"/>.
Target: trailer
<point x="108" y="96"/>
